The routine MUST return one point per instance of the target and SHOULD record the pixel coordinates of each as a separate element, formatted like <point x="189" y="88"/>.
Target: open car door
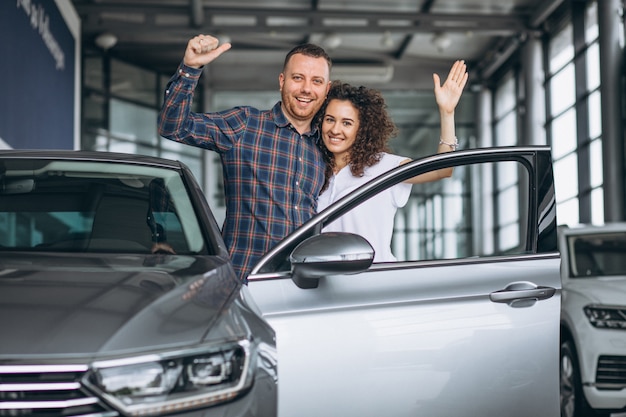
<point x="466" y="322"/>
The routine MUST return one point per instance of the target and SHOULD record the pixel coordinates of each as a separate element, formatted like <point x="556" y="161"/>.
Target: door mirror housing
<point x="327" y="254"/>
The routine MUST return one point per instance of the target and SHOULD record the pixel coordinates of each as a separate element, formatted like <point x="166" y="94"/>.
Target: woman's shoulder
<point x="386" y="162"/>
<point x="391" y="160"/>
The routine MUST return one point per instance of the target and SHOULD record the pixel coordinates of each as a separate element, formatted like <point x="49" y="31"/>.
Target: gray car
<point x="96" y="324"/>
<point x="465" y="323"/>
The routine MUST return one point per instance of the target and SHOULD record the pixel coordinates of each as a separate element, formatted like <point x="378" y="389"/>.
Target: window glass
<point x="508" y="203"/>
<point x="436" y="223"/>
<point x="509" y="238"/>
<point x="593" y="66"/>
<point x="567" y="212"/>
<point x="595" y="115"/>
<point x="562" y="90"/>
<point x="506" y="175"/>
<point x="591" y="22"/>
<point x="506" y="130"/>
<point x="597" y="206"/>
<point x="112" y="144"/>
<point x="262" y="100"/>
<point x="563" y="133"/>
<point x="132" y="122"/>
<point x="133" y="83"/>
<point x="596" y="163"/>
<point x="93" y="113"/>
<point x="566" y="177"/>
<point x="93" y="74"/>
<point x="561" y="49"/>
<point x="78" y="206"/>
<point x="595" y="255"/>
<point x="505" y="97"/>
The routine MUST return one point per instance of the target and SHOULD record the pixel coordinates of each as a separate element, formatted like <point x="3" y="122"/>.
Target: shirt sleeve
<point x="217" y="131"/>
<point x="177" y="101"/>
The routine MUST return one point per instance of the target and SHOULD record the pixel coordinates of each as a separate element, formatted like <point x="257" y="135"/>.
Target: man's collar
<point x="281" y="120"/>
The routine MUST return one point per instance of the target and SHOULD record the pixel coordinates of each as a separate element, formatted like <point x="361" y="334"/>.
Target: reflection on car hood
<point x="606" y="291"/>
<point x="99" y="304"/>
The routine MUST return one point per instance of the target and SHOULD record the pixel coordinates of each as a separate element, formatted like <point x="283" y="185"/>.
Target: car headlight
<point x="606" y="317"/>
<point x="174" y="381"/>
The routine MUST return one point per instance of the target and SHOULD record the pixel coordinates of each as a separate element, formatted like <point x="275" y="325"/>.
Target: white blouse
<point x="373" y="219"/>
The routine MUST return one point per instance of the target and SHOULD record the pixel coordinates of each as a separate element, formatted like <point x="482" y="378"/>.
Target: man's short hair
<point x="311" y="50"/>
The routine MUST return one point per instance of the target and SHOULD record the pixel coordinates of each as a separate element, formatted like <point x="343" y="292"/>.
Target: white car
<point x="593" y="320"/>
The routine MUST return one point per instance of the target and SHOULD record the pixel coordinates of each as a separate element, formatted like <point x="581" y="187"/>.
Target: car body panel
<point x="419" y="337"/>
<point x="54" y="304"/>
<point x="414" y="340"/>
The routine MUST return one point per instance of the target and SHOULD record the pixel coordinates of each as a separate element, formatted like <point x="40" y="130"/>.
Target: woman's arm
<point x="447" y="97"/>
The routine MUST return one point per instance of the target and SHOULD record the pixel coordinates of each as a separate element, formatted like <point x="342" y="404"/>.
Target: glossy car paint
<point x="109" y="303"/>
<point x="71" y="310"/>
<point x="591" y="342"/>
<point x="420" y="338"/>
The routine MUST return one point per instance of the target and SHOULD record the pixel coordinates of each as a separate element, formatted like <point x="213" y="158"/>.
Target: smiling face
<point x="304" y="84"/>
<point x="339" y="129"/>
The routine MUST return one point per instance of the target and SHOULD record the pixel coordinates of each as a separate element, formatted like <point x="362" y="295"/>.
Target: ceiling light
<point x="331" y="41"/>
<point x="386" y="40"/>
<point x="441" y="41"/>
<point x="223" y="39"/>
<point x="362" y="73"/>
<point x="106" y="40"/>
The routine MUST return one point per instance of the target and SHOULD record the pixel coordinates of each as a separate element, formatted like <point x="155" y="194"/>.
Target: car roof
<point x="95" y="156"/>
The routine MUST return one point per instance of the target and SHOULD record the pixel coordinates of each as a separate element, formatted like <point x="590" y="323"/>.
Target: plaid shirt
<point x="272" y="174"/>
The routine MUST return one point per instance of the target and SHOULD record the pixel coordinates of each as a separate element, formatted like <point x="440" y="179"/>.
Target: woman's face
<point x="339" y="127"/>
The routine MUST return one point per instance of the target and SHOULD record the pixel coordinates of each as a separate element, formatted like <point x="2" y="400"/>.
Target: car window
<point x="599" y="254"/>
<point x="488" y="208"/>
<point x="94" y="207"/>
<point x="437" y="221"/>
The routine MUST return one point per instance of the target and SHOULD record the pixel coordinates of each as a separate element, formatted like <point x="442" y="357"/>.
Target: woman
<point x="356" y="129"/>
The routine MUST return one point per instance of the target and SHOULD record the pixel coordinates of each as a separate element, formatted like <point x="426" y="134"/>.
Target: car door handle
<point x="521" y="291"/>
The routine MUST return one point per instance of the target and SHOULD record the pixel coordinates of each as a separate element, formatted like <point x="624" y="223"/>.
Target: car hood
<point x="98" y="305"/>
<point x="606" y="290"/>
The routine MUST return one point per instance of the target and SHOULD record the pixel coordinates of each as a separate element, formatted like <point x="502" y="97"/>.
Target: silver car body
<point x="472" y="335"/>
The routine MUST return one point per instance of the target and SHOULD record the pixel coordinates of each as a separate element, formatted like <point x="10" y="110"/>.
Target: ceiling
<point x="387" y="44"/>
<point x="392" y="45"/>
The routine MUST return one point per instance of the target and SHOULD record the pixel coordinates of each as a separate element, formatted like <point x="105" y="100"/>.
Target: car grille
<point x="611" y="373"/>
<point x="48" y="391"/>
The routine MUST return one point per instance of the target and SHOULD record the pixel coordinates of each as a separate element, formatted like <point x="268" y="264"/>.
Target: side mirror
<point x="328" y="254"/>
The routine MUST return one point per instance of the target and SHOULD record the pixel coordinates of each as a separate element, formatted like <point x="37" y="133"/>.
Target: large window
<point x="434" y="223"/>
<point x="121" y="103"/>
<point x="506" y="177"/>
<point x="574" y="117"/>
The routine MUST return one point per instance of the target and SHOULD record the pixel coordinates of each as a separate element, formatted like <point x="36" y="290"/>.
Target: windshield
<point x="78" y="206"/>
<point x="600" y="254"/>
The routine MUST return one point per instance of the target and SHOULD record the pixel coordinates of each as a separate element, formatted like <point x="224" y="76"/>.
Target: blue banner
<point x="37" y="69"/>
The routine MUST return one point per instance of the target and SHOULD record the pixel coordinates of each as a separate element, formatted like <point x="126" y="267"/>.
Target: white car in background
<point x="593" y="320"/>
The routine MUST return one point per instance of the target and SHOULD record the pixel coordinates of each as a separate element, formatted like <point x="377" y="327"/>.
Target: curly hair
<point x="376" y="127"/>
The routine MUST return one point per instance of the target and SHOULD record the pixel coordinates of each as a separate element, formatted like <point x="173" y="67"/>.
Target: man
<point x="273" y="169"/>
